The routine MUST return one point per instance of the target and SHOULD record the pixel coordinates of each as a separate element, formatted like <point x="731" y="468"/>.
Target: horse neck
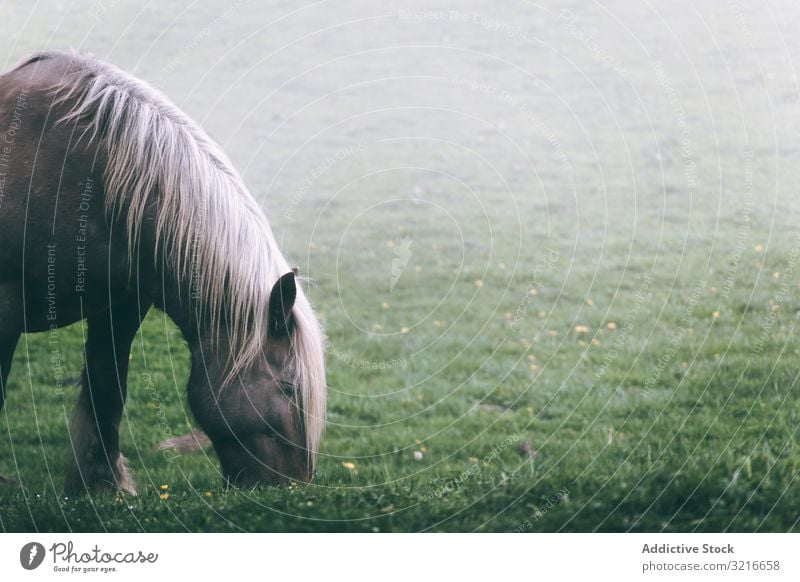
<point x="180" y="302"/>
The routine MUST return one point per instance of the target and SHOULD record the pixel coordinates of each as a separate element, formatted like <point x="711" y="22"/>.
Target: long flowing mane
<point x="207" y="221"/>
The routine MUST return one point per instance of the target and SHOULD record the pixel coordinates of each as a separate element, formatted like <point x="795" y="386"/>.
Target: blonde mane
<point x="208" y="223"/>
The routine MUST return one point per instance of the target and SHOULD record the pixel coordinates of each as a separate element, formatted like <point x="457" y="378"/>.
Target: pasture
<point x="554" y="250"/>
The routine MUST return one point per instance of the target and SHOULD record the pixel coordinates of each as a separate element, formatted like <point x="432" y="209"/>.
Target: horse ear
<point x="281" y="301"/>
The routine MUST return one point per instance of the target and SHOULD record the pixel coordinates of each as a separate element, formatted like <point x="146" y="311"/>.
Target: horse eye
<point x="288" y="389"/>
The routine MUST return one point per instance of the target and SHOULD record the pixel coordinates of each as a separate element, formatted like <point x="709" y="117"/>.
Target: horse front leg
<point x="96" y="463"/>
<point x="11" y="325"/>
<point x="7" y="347"/>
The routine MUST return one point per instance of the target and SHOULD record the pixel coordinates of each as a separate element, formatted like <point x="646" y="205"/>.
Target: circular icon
<point x="31" y="555"/>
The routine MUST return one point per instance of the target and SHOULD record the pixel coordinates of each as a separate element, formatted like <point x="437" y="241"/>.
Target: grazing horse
<point x="112" y="201"/>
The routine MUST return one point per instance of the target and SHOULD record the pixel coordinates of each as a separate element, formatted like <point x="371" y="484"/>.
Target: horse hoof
<point x="7" y="480"/>
<point x="188" y="443"/>
<point x="124" y="480"/>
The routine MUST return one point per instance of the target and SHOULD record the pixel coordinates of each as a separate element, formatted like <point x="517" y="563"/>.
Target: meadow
<point x="557" y="270"/>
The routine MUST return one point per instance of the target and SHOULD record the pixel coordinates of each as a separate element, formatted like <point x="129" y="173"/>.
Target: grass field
<point x="558" y="270"/>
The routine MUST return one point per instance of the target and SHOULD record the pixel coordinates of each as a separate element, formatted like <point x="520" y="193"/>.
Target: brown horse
<point x="112" y="201"/>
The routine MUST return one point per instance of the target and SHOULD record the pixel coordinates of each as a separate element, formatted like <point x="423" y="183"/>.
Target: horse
<point x="113" y="201"/>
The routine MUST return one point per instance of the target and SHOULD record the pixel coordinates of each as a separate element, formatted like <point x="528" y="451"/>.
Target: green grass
<point x="676" y="420"/>
<point x="673" y="421"/>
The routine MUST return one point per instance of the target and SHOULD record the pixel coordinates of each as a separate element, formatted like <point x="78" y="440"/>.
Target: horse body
<point x="112" y="201"/>
<point x="41" y="208"/>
